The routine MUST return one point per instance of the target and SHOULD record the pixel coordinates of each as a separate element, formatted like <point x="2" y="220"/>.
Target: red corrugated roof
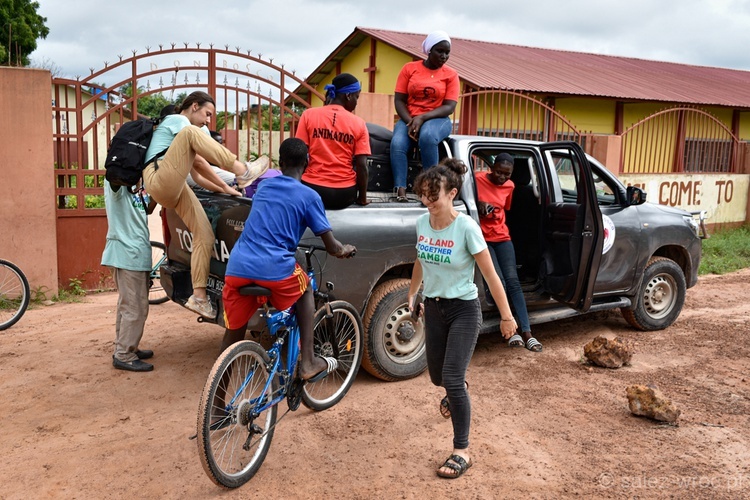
<point x="490" y="65"/>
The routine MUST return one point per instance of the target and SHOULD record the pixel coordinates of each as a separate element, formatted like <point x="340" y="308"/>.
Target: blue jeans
<point x="432" y="132"/>
<point x="504" y="257"/>
<point x="451" y="331"/>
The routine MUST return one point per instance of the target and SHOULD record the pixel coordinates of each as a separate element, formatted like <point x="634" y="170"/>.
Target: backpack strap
<point x="155" y="158"/>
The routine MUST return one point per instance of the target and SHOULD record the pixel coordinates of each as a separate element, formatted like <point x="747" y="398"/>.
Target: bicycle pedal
<point x="294" y="398"/>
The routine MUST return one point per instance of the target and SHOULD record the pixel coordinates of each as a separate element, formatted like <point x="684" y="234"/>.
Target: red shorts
<point x="238" y="309"/>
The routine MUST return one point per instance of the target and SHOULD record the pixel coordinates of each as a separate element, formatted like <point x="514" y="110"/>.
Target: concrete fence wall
<point x="28" y="234"/>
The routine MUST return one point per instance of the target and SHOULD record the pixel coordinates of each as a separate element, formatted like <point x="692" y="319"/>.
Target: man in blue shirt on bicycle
<point x="283" y="208"/>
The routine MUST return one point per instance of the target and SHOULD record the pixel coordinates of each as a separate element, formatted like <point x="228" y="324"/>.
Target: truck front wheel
<point x="394" y="344"/>
<point x="660" y="297"/>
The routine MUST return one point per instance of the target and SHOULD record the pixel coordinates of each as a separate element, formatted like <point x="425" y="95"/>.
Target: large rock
<point x="609" y="353"/>
<point x="648" y="401"/>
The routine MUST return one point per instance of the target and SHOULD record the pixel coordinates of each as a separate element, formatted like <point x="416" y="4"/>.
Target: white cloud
<point x="300" y="34"/>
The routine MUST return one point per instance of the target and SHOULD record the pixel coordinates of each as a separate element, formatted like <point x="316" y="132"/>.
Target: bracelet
<point x="503" y="319"/>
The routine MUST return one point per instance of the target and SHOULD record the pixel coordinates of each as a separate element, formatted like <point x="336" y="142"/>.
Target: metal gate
<point x="505" y="113"/>
<point x="679" y="139"/>
<point x="256" y="108"/>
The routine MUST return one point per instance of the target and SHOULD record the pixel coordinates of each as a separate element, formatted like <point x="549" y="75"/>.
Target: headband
<point x="433" y="39"/>
<point x="331" y="90"/>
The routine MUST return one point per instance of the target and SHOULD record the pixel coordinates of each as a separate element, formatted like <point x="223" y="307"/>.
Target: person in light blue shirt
<point x="449" y="243"/>
<point x="128" y="254"/>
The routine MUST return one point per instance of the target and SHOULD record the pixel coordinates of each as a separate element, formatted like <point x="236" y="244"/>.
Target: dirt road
<point x="544" y="425"/>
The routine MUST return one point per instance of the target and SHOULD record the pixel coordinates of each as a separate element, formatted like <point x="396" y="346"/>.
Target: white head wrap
<point x="433" y="39"/>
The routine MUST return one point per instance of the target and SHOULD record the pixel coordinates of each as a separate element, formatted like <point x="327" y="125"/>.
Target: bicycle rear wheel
<point x="233" y="437"/>
<point x="156" y="293"/>
<point x="14" y="294"/>
<point x="340" y="337"/>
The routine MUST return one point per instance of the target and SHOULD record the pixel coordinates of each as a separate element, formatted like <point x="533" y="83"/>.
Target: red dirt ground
<point x="544" y="425"/>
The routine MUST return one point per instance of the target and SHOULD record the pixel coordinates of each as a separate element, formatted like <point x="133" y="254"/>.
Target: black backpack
<point x="127" y="153"/>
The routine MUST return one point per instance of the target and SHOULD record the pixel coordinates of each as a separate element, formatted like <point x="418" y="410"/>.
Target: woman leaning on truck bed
<point x="339" y="145"/>
<point x="180" y="144"/>
<point x="426" y="94"/>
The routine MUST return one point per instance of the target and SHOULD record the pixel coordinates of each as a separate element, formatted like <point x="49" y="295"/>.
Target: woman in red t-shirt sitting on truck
<point x="339" y="146"/>
<point x="426" y="94"/>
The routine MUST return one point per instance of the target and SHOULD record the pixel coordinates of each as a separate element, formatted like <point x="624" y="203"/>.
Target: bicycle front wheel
<point x="234" y="426"/>
<point x="156" y="293"/>
<point x="339" y="336"/>
<point x="14" y="294"/>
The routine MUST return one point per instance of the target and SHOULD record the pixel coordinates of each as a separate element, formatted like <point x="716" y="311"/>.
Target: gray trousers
<point x="132" y="311"/>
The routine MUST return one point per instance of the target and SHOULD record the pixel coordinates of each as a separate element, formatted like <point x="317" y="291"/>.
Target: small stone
<point x="609" y="353"/>
<point x="48" y="303"/>
<point x="647" y="401"/>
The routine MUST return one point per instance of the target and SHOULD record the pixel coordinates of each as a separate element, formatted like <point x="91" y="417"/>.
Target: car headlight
<point x="697" y="226"/>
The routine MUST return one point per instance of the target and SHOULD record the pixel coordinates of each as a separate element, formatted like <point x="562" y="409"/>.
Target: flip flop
<point x="534" y="345"/>
<point x="515" y="341"/>
<point x="333" y="365"/>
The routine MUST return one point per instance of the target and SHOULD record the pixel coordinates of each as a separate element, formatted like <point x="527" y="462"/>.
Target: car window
<point x="568" y="173"/>
<point x="605" y="194"/>
<point x="524" y="174"/>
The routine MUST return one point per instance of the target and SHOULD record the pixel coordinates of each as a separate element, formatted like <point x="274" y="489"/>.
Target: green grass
<point x="726" y="251"/>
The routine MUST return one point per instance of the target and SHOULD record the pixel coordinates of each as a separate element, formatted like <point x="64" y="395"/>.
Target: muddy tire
<point x="394" y="344"/>
<point x="660" y="297"/>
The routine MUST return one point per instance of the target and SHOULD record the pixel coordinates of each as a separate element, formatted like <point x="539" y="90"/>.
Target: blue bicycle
<point x="238" y="409"/>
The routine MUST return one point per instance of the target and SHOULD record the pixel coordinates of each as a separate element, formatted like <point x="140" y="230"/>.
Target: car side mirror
<point x="636" y="195"/>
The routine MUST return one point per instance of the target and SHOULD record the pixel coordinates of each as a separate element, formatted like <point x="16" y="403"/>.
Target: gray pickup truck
<point x="583" y="241"/>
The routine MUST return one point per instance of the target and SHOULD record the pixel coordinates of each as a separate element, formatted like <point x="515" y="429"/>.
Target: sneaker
<point x="201" y="306"/>
<point x="254" y="170"/>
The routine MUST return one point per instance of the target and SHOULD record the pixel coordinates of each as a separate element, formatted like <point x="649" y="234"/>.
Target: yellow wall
<point x="356" y="62"/>
<point x="588" y="115"/>
<point x="389" y="62"/>
<point x="635" y="112"/>
<point x="745" y="125"/>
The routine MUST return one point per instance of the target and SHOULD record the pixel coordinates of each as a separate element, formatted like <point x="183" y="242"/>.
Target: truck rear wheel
<point x="660" y="297"/>
<point x="394" y="344"/>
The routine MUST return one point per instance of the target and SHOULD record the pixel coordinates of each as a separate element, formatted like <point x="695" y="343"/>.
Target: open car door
<point x="574" y="230"/>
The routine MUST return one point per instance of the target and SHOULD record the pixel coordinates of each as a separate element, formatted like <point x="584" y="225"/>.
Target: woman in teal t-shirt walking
<point x="449" y="243"/>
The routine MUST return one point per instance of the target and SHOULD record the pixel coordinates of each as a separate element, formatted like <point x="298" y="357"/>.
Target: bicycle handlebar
<point x="310" y="249"/>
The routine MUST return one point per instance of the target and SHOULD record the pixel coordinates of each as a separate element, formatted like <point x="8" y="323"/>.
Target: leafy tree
<point x="150" y="105"/>
<point x="222" y="118"/>
<point x="270" y="117"/>
<point x="20" y="27"/>
<point x="48" y="64"/>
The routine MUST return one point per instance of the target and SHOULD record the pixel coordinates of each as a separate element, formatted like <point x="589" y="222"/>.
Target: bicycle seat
<point x="256" y="290"/>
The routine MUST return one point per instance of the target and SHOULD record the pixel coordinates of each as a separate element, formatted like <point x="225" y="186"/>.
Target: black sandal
<point x="445" y="406"/>
<point x="458" y="466"/>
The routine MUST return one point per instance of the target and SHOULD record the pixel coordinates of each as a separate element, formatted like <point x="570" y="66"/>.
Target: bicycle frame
<point x="155" y="269"/>
<point x="236" y="424"/>
<point x="283" y="325"/>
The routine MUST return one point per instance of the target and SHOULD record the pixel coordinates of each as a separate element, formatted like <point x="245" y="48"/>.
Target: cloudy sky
<point x="300" y="34"/>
